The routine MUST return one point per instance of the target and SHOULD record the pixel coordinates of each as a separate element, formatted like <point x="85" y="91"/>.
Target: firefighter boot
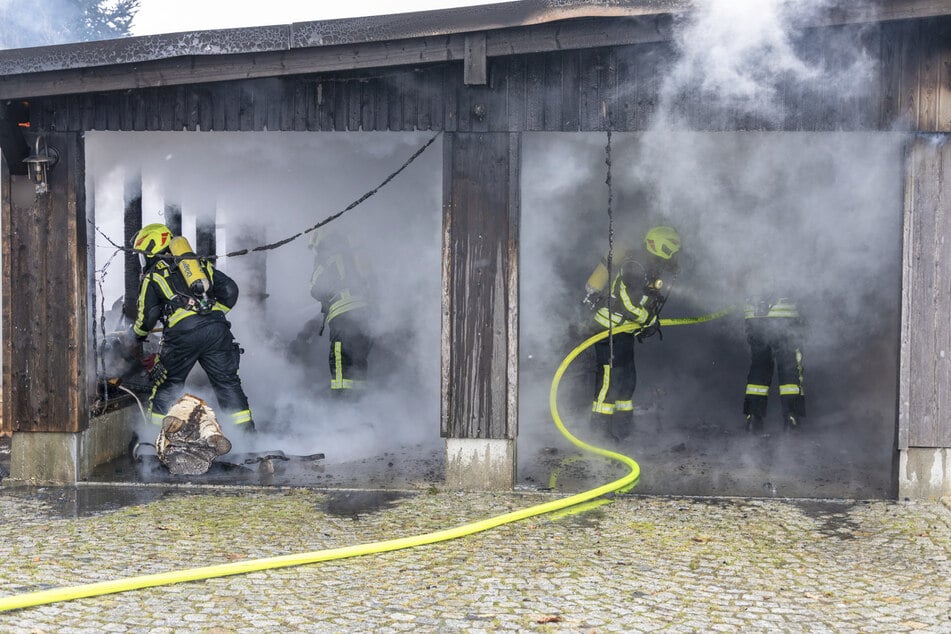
<point x="621" y="425"/>
<point x="791" y="422"/>
<point x="754" y="423"/>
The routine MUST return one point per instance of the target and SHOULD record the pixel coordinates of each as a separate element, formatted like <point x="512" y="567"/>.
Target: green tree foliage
<point x="42" y="22"/>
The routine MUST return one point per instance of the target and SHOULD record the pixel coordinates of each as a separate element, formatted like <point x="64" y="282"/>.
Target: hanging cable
<point x="607" y="180"/>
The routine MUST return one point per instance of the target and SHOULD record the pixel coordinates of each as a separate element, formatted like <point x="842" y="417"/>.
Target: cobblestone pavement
<point x="637" y="564"/>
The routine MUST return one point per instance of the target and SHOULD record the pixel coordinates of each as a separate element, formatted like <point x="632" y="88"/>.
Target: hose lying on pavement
<point x="625" y="483"/>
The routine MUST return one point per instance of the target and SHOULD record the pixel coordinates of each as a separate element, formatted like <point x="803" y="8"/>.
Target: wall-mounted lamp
<point x="40" y="163"/>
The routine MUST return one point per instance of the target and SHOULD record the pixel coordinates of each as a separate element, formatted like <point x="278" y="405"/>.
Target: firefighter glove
<point x="153" y="366"/>
<point x="592" y="300"/>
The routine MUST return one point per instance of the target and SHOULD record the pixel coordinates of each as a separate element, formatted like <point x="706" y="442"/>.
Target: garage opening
<point x="815" y="214"/>
<point x="230" y="192"/>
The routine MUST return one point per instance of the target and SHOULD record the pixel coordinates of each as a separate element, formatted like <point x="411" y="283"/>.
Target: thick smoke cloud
<point x="816" y="215"/>
<point x="268" y="186"/>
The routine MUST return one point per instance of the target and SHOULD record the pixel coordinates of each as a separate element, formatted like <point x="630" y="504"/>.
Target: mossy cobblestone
<point x="639" y="564"/>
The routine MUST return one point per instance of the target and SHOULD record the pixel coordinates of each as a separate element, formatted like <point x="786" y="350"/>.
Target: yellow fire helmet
<point x="152" y="239"/>
<point x="663" y="242"/>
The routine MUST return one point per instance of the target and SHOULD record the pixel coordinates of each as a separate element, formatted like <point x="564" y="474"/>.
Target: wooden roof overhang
<point x="468" y="33"/>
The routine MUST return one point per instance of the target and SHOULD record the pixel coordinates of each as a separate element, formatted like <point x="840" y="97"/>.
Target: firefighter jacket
<point x="164" y="295"/>
<point x="339" y="279"/>
<point x="637" y="296"/>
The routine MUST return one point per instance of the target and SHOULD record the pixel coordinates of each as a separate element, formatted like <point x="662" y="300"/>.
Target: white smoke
<point x="265" y="187"/>
<point x="817" y="214"/>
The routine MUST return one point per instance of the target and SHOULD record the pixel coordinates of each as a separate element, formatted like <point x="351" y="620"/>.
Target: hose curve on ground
<point x="625" y="483"/>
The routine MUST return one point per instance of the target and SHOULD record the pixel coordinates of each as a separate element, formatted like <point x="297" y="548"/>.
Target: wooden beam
<point x="479" y="371"/>
<point x="475" y="68"/>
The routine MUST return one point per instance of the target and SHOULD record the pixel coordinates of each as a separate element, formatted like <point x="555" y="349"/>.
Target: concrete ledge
<point x="66" y="458"/>
<point x="924" y="473"/>
<point x="475" y="464"/>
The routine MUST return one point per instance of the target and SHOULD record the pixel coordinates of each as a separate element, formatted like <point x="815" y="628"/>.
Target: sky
<point x="171" y="16"/>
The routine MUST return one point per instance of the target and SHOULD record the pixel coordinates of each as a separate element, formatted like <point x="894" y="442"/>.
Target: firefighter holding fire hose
<point x="637" y="294"/>
<point x="191" y="298"/>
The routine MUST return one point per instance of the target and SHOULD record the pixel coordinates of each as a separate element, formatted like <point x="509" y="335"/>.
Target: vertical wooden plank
<point x="6" y="322"/>
<point x="179" y="109"/>
<point x="340" y="105"/>
<point x="259" y="108"/>
<point x="274" y="105"/>
<point x="394" y="101"/>
<point x="450" y="98"/>
<point x="354" y="104"/>
<point x="476" y="250"/>
<point x="411" y="100"/>
<point x="590" y="89"/>
<point x="325" y="104"/>
<point x="925" y="365"/>
<point x="166" y="107"/>
<point x="569" y="101"/>
<point x="943" y="42"/>
<point x="626" y="89"/>
<point x="206" y="108"/>
<point x="512" y="284"/>
<point x="493" y="98"/>
<point x="908" y="86"/>
<point x="300" y="104"/>
<point x="246" y="106"/>
<point x="192" y="108"/>
<point x="515" y="93"/>
<point x="929" y="72"/>
<point x="535" y="92"/>
<point x="229" y="96"/>
<point x="890" y="73"/>
<point x="47" y="276"/>
<point x="435" y="105"/>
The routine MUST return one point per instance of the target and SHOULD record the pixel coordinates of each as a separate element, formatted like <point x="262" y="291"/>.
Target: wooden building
<point x="483" y="76"/>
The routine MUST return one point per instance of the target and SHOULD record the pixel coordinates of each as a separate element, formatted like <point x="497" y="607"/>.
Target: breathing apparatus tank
<point x="195" y="278"/>
<point x="598" y="280"/>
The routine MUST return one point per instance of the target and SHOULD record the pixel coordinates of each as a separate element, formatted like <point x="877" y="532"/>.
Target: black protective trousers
<point x="774" y="346"/>
<point x="349" y="353"/>
<point x="211" y="345"/>
<point x="615" y="381"/>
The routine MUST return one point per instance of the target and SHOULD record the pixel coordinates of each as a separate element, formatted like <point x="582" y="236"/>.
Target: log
<point x="191" y="438"/>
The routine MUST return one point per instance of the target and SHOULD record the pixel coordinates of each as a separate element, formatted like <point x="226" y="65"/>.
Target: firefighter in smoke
<point x="637" y="294"/>
<point x="340" y="283"/>
<point x="190" y="297"/>
<point x="773" y="330"/>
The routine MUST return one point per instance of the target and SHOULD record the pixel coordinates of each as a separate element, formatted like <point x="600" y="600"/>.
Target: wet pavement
<point x="640" y="563"/>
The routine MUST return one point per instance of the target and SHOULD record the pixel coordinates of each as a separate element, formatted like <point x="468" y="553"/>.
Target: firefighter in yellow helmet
<point x="191" y="298"/>
<point x="636" y="295"/>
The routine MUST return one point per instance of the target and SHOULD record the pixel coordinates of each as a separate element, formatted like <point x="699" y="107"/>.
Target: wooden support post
<point x="480" y="304"/>
<point x="45" y="272"/>
<point x="924" y="382"/>
<point x="132" y="224"/>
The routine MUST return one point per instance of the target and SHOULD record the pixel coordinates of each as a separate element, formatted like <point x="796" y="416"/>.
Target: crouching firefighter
<point x="637" y="294"/>
<point x="340" y="284"/>
<point x="191" y="298"/>
<point x="773" y="327"/>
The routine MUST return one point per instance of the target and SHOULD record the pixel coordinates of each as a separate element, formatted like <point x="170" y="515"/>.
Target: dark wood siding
<point x="44" y="313"/>
<point x="925" y="376"/>
<point x="568" y="90"/>
<point x="480" y="220"/>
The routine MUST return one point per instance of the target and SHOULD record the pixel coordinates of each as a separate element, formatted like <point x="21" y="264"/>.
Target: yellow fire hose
<point x="55" y="595"/>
